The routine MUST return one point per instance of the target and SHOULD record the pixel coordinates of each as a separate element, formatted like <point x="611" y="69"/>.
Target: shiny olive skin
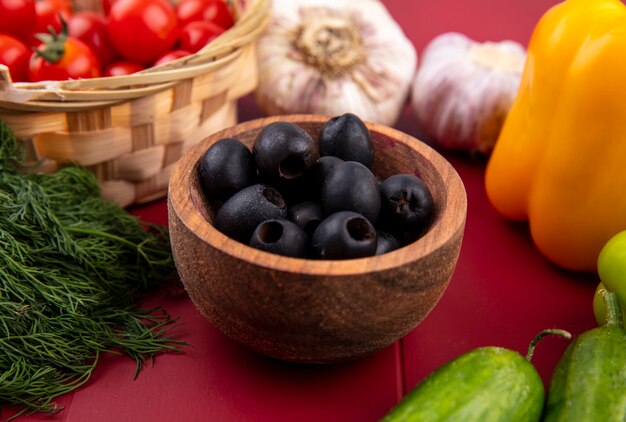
<point x="226" y="168"/>
<point x="351" y="186"/>
<point x="245" y="210"/>
<point x="281" y="237"/>
<point x="344" y="235"/>
<point x="406" y="203"/>
<point x="348" y="138"/>
<point x="283" y="152"/>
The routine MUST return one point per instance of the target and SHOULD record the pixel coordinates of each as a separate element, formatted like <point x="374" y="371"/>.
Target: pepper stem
<point x="613" y="309"/>
<point x="541" y="335"/>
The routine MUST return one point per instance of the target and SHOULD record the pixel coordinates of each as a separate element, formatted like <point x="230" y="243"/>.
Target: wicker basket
<point x="130" y="130"/>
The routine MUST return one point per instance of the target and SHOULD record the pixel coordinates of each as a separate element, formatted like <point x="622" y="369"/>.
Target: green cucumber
<point x="589" y="382"/>
<point x="485" y="384"/>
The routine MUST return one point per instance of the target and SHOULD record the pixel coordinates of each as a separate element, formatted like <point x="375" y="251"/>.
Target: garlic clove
<point x="463" y="90"/>
<point x="334" y="57"/>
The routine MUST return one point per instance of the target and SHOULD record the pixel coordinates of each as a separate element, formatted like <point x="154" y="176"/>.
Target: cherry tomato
<point x="106" y="6"/>
<point x="91" y="28"/>
<point x="49" y="13"/>
<point x="170" y="56"/>
<point x="122" y="68"/>
<point x="215" y="11"/>
<point x="17" y="17"/>
<point x="15" y="55"/>
<point x="77" y="61"/>
<point x="196" y="35"/>
<point x="142" y="30"/>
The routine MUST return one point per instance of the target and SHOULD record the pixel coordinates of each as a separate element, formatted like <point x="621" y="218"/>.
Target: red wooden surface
<point x="503" y="293"/>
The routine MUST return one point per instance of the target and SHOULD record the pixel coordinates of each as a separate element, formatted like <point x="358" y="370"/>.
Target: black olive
<point x="344" y="235"/>
<point x="281" y="237"/>
<point x="307" y="215"/>
<point x="283" y="152"/>
<point x="387" y="242"/>
<point x="226" y="168"/>
<point x="317" y="174"/>
<point x="407" y="204"/>
<point x="245" y="210"/>
<point x="348" y="138"/>
<point x="351" y="186"/>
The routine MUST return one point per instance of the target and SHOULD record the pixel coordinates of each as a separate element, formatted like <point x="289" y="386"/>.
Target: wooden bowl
<point x="312" y="310"/>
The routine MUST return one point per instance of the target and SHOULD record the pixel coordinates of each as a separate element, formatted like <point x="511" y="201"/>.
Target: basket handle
<point x="5" y="77"/>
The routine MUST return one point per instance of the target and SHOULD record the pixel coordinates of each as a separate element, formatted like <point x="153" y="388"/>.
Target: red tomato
<point x="215" y="11"/>
<point x="142" y="30"/>
<point x="15" y="55"/>
<point x="17" y="17"/>
<point x="91" y="28"/>
<point x="122" y="68"/>
<point x="77" y="61"/>
<point x="196" y="35"/>
<point x="106" y="6"/>
<point x="48" y="12"/>
<point x="170" y="56"/>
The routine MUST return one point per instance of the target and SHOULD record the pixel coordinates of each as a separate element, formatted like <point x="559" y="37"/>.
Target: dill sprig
<point x="72" y="270"/>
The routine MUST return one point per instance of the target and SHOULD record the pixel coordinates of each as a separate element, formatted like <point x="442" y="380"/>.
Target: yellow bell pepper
<point x="560" y="160"/>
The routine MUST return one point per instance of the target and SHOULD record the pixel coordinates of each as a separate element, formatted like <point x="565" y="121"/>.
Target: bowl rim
<point x="452" y="217"/>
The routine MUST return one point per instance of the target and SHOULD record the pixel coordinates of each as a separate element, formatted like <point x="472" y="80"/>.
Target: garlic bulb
<point x="463" y="90"/>
<point x="332" y="57"/>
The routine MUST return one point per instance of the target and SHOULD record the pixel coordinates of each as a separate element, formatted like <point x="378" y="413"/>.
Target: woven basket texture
<point x="131" y="130"/>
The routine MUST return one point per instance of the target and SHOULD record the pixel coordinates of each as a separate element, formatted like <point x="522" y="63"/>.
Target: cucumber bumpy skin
<point x="589" y="382"/>
<point x="489" y="384"/>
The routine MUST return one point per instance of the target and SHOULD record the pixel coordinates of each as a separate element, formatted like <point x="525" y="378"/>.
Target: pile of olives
<point x="292" y="196"/>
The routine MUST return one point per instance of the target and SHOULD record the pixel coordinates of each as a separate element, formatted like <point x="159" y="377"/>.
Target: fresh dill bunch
<point x="10" y="152"/>
<point x="72" y="270"/>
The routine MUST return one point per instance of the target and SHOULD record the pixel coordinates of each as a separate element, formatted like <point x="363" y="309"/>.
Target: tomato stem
<point x="541" y="335"/>
<point x="613" y="309"/>
<point x="54" y="44"/>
